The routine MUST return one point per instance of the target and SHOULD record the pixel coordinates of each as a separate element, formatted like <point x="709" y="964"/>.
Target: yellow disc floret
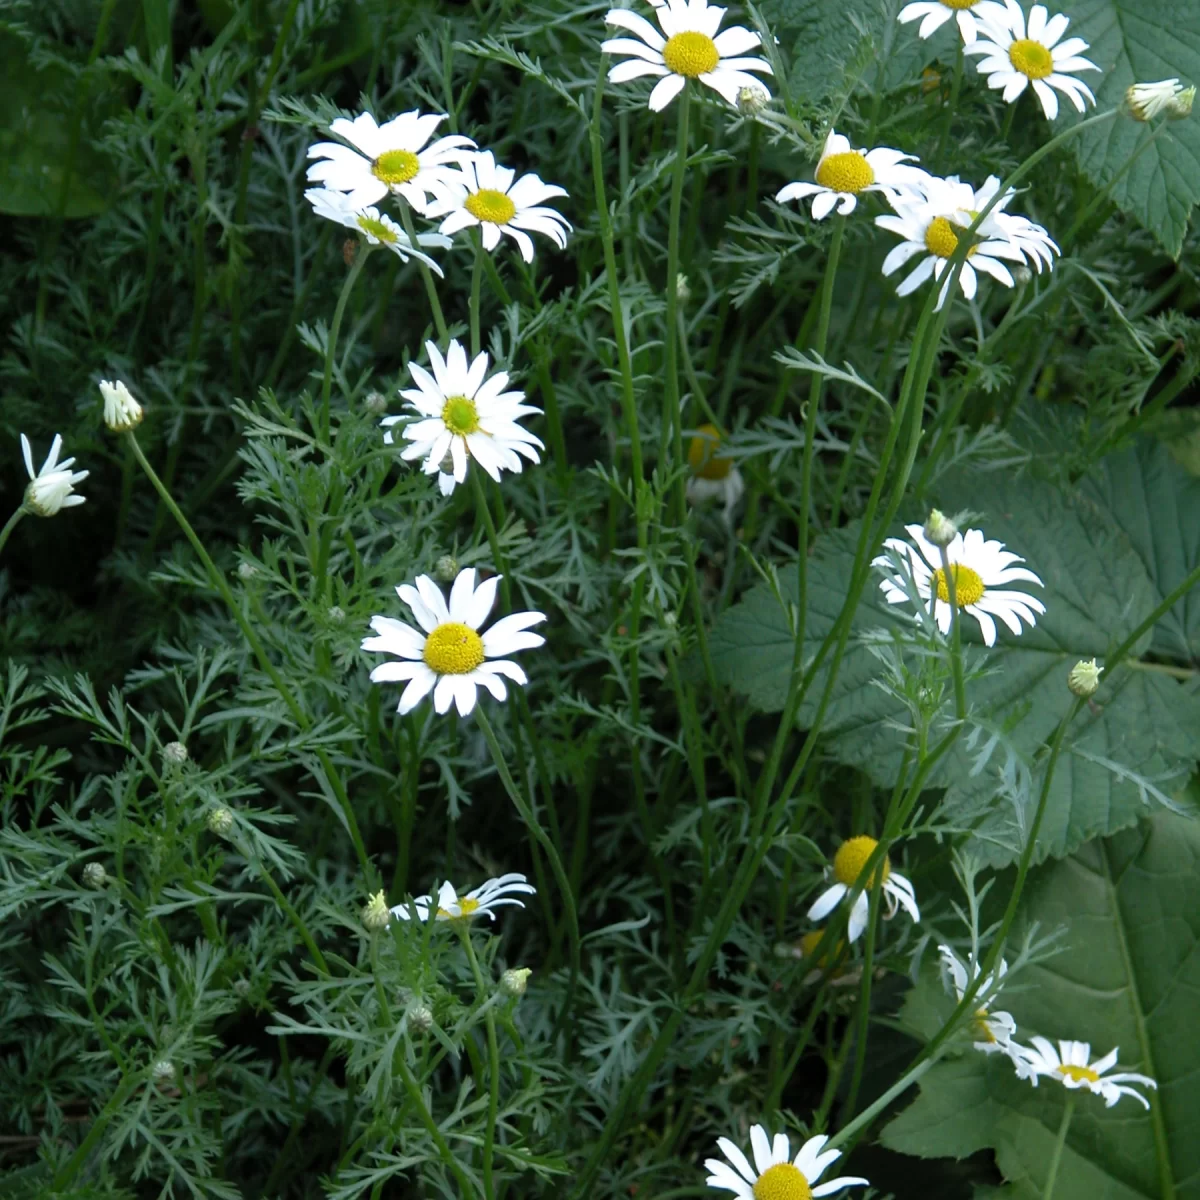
<point x="968" y="586"/>
<point x="1079" y="1074"/>
<point x="489" y="205"/>
<point x="960" y="4"/>
<point x="691" y="54"/>
<point x="983" y="1031"/>
<point x="852" y="856"/>
<point x="1031" y="58"/>
<point x="849" y="172"/>
<point x="702" y="452"/>
<point x="453" y="649"/>
<point x="395" y="166"/>
<point x="376" y="228"/>
<point x="782" y="1182"/>
<point x="466" y="906"/>
<point x="460" y="415"/>
<point x="940" y="239"/>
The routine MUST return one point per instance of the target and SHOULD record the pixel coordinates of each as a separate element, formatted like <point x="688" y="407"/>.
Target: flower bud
<point x="752" y="100"/>
<point x="1022" y="276"/>
<point x="175" y="754"/>
<point x="376" y="403"/>
<point x="247" y="571"/>
<point x="420" y="1017"/>
<point x="1084" y="678"/>
<point x="220" y="821"/>
<point x="939" y="529"/>
<point x="337" y="615"/>
<point x="375" y="915"/>
<point x="1181" y="106"/>
<point x="121" y="411"/>
<point x="514" y="981"/>
<point x="94" y="875"/>
<point x="446" y="569"/>
<point x="241" y="988"/>
<point x="1145" y="101"/>
<point x="683" y="289"/>
<point x="163" y="1070"/>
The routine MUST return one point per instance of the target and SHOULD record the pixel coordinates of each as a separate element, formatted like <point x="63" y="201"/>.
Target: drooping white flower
<point x="378" y="228"/>
<point x="1070" y="1065"/>
<point x="992" y="1030"/>
<point x="775" y="1175"/>
<point x="981" y="568"/>
<point x="478" y="902"/>
<point x="467" y="414"/>
<point x="844" y="173"/>
<point x="1017" y="56"/>
<point x="392" y="157"/>
<point x="933" y="14"/>
<point x="713" y="476"/>
<point x="451" y="658"/>
<point x="52" y="488"/>
<point x="685" y="46"/>
<point x="121" y="411"/>
<point x="484" y="193"/>
<point x="1145" y="101"/>
<point x="848" y="863"/>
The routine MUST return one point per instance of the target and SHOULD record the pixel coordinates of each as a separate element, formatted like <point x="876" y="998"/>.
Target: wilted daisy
<point x="848" y="864"/>
<point x="830" y="959"/>
<point x="981" y="568"/>
<point x="992" y="1031"/>
<point x="378" y="228"/>
<point x="51" y="488"/>
<point x="451" y="658"/>
<point x="392" y="157"/>
<point x="1145" y="101"/>
<point x="713" y="476"/>
<point x="121" y="411"/>
<point x="843" y="173"/>
<point x="1070" y="1066"/>
<point x="484" y="193"/>
<point x="478" y="902"/>
<point x="467" y="415"/>
<point x="933" y="14"/>
<point x="688" y="47"/>
<point x="775" y="1175"/>
<point x="1017" y="56"/>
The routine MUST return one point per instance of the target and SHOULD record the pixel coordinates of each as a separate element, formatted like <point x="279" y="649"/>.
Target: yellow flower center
<point x="395" y="166"/>
<point x="849" y="172"/>
<point x="1079" y="1074"/>
<point x="702" y="454"/>
<point x="782" y="1182"/>
<point x="968" y="587"/>
<point x="808" y="943"/>
<point x="959" y="4"/>
<point x="1031" y="58"/>
<point x="376" y="229"/>
<point x="460" y="416"/>
<point x="453" y="649"/>
<point x="983" y="1031"/>
<point x="691" y="54"/>
<point x="489" y="205"/>
<point x="466" y="907"/>
<point x="940" y="239"/>
<point x="852" y="856"/>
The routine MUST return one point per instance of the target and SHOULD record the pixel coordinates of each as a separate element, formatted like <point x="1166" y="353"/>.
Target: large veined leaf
<point x="1129" y="975"/>
<point x="1136" y="744"/>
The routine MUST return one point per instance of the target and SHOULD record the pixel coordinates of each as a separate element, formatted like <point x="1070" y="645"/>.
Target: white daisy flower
<point x="451" y="658"/>
<point x="713" y="477"/>
<point x="848" y="864"/>
<point x="775" y="1174"/>
<point x="466" y="415"/>
<point x="1017" y="56"/>
<point x="1070" y="1066"/>
<point x="392" y="157"/>
<point x="993" y="1031"/>
<point x="933" y="14"/>
<point x="483" y="193"/>
<point x="1146" y="100"/>
<point x="688" y="47"/>
<point x="843" y="173"/>
<point x="378" y="228"/>
<point x="121" y="411"/>
<point x="981" y="566"/>
<point x="478" y="902"/>
<point x="51" y="488"/>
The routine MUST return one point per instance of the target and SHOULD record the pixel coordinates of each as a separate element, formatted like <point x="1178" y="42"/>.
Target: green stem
<point x="672" y="420"/>
<point x="476" y="284"/>
<point x="960" y="697"/>
<point x="11" y="524"/>
<point x="435" y="305"/>
<point x="426" y="1119"/>
<point x="482" y="991"/>
<point x="1059" y="1142"/>
<point x="364" y="249"/>
<point x="70" y="1168"/>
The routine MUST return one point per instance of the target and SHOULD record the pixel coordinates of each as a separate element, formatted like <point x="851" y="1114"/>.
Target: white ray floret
<point x="448" y="656"/>
<point x="1017" y="56"/>
<point x="466" y="414"/>
<point x="378" y="228"/>
<point x="933" y="14"/>
<point x="686" y="45"/>
<point x="52" y="488"/>
<point x="848" y="863"/>
<point x="981" y="568"/>
<point x="1145" y="101"/>
<point x="486" y="194"/>
<point x="121" y="411"/>
<point x="1070" y="1064"/>
<point x="478" y="902"/>
<point x="993" y="1030"/>
<point x="395" y="157"/>
<point x="844" y="173"/>
<point x="774" y="1172"/>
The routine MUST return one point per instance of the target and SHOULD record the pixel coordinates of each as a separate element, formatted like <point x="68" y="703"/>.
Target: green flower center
<point x="691" y="54"/>
<point x="460" y="416"/>
<point x="376" y="228"/>
<point x="487" y="204"/>
<point x="849" y="172"/>
<point x="395" y="166"/>
<point x="453" y="649"/>
<point x="1031" y="58"/>
<point x="968" y="586"/>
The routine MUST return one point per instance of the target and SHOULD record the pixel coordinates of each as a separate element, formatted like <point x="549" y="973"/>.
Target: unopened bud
<point x="376" y="403"/>
<point x="121" y="411"/>
<point x="175" y="753"/>
<point x="94" y="875"/>
<point x="163" y="1070"/>
<point x="1084" y="678"/>
<point x="375" y="915"/>
<point x="445" y="570"/>
<point x="241" y="988"/>
<point x="670" y="620"/>
<point x="514" y="981"/>
<point x="246" y="571"/>
<point x="1022" y="276"/>
<point x="939" y="529"/>
<point x="751" y="100"/>
<point x="420" y="1017"/>
<point x="337" y="615"/>
<point x="220" y="821"/>
<point x="1181" y="106"/>
<point x="683" y="289"/>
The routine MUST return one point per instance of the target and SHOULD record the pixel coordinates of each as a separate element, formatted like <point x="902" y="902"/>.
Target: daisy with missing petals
<point x="775" y="1174"/>
<point x="848" y="864"/>
<point x="376" y="227"/>
<point x="688" y="47"/>
<point x="451" y="658"/>
<point x="933" y="14"/>
<point x="1069" y="1065"/>
<point x="52" y="488"/>
<point x="392" y="157"/>
<point x="993" y="1031"/>
<point x="714" y="477"/>
<point x="980" y="567"/>
<point x="483" y="193"/>
<point x="843" y="173"/>
<point x="1144" y="101"/>
<point x="466" y="415"/>
<point x="1017" y="56"/>
<point x="478" y="902"/>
